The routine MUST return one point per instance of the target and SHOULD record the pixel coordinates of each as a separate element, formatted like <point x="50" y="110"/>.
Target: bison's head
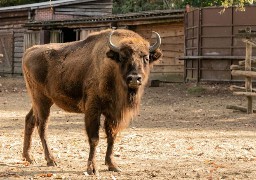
<point x="135" y="57"/>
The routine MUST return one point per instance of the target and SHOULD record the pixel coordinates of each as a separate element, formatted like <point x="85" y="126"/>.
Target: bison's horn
<point x="111" y="45"/>
<point x="157" y="44"/>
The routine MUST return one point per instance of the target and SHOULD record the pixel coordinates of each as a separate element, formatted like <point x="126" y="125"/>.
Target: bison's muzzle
<point x="134" y="81"/>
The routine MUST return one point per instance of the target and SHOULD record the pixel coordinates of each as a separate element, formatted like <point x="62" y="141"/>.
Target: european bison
<point x="104" y="74"/>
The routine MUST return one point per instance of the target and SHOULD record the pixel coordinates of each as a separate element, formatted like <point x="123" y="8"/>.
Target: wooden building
<point x="70" y="20"/>
<point x="168" y="23"/>
<point x="14" y="37"/>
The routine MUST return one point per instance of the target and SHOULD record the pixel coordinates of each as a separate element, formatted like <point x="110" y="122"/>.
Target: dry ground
<point x="182" y="132"/>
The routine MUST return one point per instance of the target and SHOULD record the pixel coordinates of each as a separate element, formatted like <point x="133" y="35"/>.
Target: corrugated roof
<point x="171" y="15"/>
<point x="47" y="4"/>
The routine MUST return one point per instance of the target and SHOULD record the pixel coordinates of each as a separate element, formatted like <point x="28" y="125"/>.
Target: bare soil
<point x="182" y="132"/>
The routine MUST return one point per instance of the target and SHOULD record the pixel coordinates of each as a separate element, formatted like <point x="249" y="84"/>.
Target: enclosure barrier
<point x="247" y="69"/>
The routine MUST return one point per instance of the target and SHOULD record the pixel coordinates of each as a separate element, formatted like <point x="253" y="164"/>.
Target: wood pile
<point x="246" y="69"/>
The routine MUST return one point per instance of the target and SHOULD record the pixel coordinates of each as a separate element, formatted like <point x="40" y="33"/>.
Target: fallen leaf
<point x="190" y="148"/>
<point x="45" y="175"/>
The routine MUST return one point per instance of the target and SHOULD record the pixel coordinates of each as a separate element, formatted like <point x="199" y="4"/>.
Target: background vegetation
<point x="126" y="6"/>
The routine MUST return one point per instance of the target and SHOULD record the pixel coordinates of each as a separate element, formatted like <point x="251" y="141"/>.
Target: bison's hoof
<point x="93" y="172"/>
<point x="29" y="160"/>
<point x="115" y="169"/>
<point x="92" y="168"/>
<point x="51" y="163"/>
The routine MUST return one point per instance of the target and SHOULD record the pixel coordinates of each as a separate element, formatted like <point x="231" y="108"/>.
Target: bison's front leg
<point x="111" y="132"/>
<point x="92" y="125"/>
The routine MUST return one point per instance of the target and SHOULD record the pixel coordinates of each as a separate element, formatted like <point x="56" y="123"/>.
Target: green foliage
<point x="238" y="3"/>
<point x="199" y="3"/>
<point x="126" y="6"/>
<point x="4" y="3"/>
<point x="196" y="90"/>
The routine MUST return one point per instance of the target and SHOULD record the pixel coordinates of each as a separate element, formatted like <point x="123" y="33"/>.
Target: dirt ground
<point x="182" y="132"/>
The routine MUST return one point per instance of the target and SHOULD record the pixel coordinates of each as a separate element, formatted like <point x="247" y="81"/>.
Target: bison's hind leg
<point x="42" y="105"/>
<point x="30" y="122"/>
<point x="38" y="116"/>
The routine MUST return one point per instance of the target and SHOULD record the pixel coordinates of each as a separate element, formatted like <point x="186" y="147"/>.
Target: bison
<point x="105" y="74"/>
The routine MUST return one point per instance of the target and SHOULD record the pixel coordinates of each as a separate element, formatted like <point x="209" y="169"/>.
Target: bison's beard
<point x="133" y="97"/>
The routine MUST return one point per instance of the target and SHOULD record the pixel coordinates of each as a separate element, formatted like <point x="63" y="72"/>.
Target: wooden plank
<point x="167" y="77"/>
<point x="17" y="70"/>
<point x="239" y="108"/>
<point x="243" y="73"/>
<point x="212" y="57"/>
<point x="238" y="67"/>
<point x="173" y="48"/>
<point x="19" y="39"/>
<point x="18" y="49"/>
<point x="248" y="79"/>
<point x="171" y="54"/>
<point x="18" y="34"/>
<point x="88" y="6"/>
<point x="83" y="13"/>
<point x="241" y="63"/>
<point x="18" y="55"/>
<point x="81" y="10"/>
<point x="179" y="40"/>
<point x="171" y="61"/>
<point x="172" y="32"/>
<point x="19" y="44"/>
<point x="249" y="94"/>
<point x="234" y="88"/>
<point x="167" y="68"/>
<point x="249" y="42"/>
<point x="17" y="60"/>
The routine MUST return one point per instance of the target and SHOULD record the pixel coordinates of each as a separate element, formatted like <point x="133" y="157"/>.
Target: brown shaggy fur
<point x="86" y="77"/>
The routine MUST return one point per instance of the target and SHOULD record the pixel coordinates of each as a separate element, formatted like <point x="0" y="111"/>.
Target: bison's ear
<point x="113" y="55"/>
<point x="155" y="56"/>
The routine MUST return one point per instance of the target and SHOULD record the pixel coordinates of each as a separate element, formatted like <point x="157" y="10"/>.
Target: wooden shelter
<point x="168" y="23"/>
<point x="69" y="20"/>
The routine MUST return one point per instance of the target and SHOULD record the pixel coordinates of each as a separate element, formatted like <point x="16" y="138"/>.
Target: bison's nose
<point x="134" y="80"/>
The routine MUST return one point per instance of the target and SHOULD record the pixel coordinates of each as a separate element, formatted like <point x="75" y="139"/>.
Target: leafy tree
<point x="238" y="3"/>
<point x="126" y="6"/>
<point x="199" y="3"/>
<point x="4" y="3"/>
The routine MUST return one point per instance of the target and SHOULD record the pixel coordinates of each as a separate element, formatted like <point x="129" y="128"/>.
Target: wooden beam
<point x="234" y="88"/>
<point x="211" y="57"/>
<point x="249" y="94"/>
<point x="243" y="73"/>
<point x="239" y="108"/>
<point x="248" y="79"/>
<point x="238" y="67"/>
<point x="249" y="42"/>
<point x="242" y="63"/>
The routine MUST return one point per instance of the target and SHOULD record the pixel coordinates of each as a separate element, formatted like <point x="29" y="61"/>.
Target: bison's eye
<point x="146" y="59"/>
